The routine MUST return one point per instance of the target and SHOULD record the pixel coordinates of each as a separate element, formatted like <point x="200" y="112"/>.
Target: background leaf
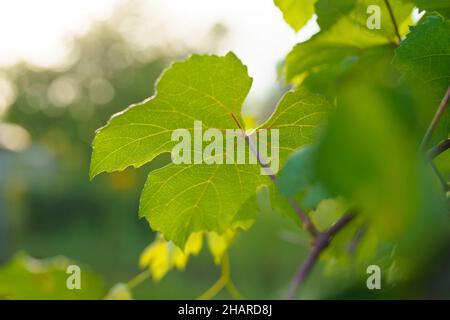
<point x="370" y="156"/>
<point x="296" y="12"/>
<point x="343" y="37"/>
<point x="24" y="277"/>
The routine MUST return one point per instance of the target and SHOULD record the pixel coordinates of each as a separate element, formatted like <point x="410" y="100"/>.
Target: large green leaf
<point x="424" y="56"/>
<point x="296" y="12"/>
<point x="344" y="36"/>
<point x="178" y="200"/>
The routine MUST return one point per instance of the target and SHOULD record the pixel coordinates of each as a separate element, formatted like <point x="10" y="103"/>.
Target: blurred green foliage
<point x="24" y="277"/>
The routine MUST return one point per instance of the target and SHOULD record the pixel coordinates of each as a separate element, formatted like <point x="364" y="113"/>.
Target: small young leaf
<point x="218" y="245"/>
<point x="161" y="255"/>
<point x="296" y="12"/>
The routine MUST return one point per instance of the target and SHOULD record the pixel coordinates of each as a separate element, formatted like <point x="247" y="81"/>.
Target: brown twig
<point x="443" y="146"/>
<point x="322" y="242"/>
<point x="433" y="153"/>
<point x="440" y="148"/>
<point x="394" y="22"/>
<point x="437" y="116"/>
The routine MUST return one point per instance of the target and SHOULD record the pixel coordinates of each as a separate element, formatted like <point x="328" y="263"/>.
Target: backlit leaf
<point x="296" y="12"/>
<point x="179" y="200"/>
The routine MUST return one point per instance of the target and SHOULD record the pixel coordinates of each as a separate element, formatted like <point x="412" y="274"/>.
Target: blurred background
<point x="65" y="68"/>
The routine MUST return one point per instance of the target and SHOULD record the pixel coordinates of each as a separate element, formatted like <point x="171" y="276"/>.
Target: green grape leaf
<point x="299" y="175"/>
<point x="330" y="11"/>
<point x="424" y="56"/>
<point x="298" y="172"/>
<point x="296" y="12"/>
<point x="280" y="204"/>
<point x="246" y="215"/>
<point x="24" y="277"/>
<point x="344" y="37"/>
<point x="180" y="199"/>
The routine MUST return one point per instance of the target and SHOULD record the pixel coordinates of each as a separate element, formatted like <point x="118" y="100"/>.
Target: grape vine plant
<point x="362" y="138"/>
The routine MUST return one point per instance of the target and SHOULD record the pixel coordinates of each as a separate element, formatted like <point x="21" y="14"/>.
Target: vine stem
<point x="442" y="180"/>
<point x="440" y="148"/>
<point x="433" y="153"/>
<point x="138" y="279"/>
<point x="321" y="243"/>
<point x="223" y="282"/>
<point x="306" y="221"/>
<point x="213" y="290"/>
<point x="394" y="22"/>
<point x="321" y="240"/>
<point x="437" y="116"/>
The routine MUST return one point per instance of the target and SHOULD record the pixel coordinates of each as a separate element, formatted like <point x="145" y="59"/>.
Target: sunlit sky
<point x="37" y="31"/>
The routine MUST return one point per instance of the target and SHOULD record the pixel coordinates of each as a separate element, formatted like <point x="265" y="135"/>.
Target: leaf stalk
<point x="321" y="243"/>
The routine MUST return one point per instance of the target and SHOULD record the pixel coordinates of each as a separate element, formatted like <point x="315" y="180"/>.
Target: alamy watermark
<point x="374" y="280"/>
<point x="227" y="146"/>
<point x="74" y="279"/>
<point x="374" y="19"/>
